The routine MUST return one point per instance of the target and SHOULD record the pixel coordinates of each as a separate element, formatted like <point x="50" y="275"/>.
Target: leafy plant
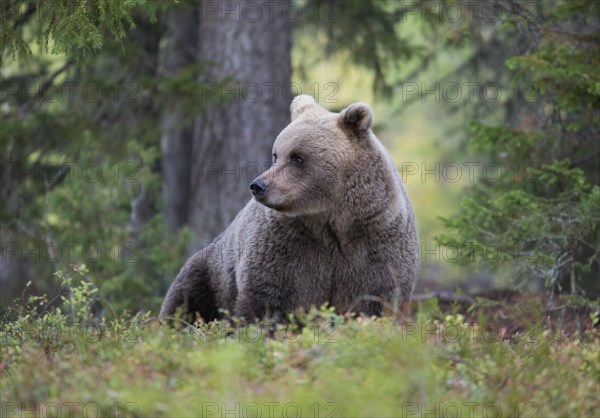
<point x="541" y="215"/>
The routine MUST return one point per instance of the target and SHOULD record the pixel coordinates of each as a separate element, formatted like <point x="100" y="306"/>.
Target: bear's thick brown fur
<point x="330" y="222"/>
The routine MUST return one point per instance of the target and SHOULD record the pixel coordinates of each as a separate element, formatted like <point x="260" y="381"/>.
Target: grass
<point x="440" y="361"/>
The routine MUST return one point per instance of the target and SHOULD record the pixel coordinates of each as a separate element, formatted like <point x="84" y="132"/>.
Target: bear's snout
<point x="258" y="188"/>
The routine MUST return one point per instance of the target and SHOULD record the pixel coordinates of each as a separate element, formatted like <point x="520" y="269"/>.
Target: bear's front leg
<point x="261" y="301"/>
<point x="191" y="292"/>
<point x="378" y="292"/>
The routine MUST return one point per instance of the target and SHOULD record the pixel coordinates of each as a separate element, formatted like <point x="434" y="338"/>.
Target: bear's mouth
<point x="278" y="206"/>
<point x="275" y="206"/>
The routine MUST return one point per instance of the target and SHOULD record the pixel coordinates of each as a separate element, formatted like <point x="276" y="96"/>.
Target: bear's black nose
<point x="258" y="188"/>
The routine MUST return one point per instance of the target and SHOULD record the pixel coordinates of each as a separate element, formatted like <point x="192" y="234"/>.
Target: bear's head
<point x="313" y="158"/>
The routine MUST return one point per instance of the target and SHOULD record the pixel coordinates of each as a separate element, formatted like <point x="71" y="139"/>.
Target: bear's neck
<point x="345" y="223"/>
<point x="366" y="204"/>
<point x="372" y="198"/>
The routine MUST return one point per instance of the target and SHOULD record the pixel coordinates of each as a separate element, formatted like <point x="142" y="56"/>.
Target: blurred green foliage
<point x="80" y="148"/>
<point x="75" y="29"/>
<point x="539" y="218"/>
<point x="541" y="214"/>
<point x="325" y="364"/>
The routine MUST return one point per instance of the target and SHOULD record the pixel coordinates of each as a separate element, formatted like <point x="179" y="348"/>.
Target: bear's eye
<point x="296" y="159"/>
<point x="274" y="158"/>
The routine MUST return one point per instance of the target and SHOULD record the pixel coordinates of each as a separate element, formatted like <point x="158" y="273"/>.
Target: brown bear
<point x="330" y="222"/>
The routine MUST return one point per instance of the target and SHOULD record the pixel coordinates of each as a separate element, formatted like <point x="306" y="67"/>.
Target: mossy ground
<point x="438" y="361"/>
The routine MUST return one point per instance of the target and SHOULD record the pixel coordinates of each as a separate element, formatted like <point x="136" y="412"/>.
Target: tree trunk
<point x="233" y="137"/>
<point x="179" y="51"/>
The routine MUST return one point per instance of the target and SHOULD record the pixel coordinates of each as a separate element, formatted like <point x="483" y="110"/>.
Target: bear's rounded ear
<point x="356" y="118"/>
<point x="300" y="104"/>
